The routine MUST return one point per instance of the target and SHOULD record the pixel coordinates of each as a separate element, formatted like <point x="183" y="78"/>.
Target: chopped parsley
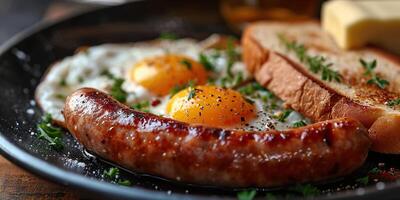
<point x="316" y="64"/>
<point x="306" y="190"/>
<point x="375" y="170"/>
<point x="232" y="54"/>
<point x="117" y="92"/>
<point x="80" y="79"/>
<point x="283" y="115"/>
<point x="381" y="83"/>
<point x="63" y="82"/>
<point x="124" y="182"/>
<point x="60" y="96"/>
<point x="232" y="81"/>
<point x="192" y="93"/>
<point x="299" y="124"/>
<point x="112" y="174"/>
<point x="363" y="180"/>
<point x="270" y="196"/>
<point x="168" y="36"/>
<point x="251" y="88"/>
<point x="187" y="64"/>
<point x="116" y="89"/>
<point x="206" y="62"/>
<point x="50" y="133"/>
<point x="141" y="106"/>
<point x="369" y="67"/>
<point x="393" y="102"/>
<point x="178" y="88"/>
<point x="246" y="195"/>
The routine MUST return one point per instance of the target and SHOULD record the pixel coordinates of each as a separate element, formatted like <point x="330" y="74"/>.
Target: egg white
<point x="86" y="69"/>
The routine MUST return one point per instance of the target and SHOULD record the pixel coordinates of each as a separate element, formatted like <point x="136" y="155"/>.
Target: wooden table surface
<point x="16" y="183"/>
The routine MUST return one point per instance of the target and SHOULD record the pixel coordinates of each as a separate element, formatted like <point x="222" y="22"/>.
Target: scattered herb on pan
<point x="251" y="88"/>
<point x="168" y="36"/>
<point x="178" y="88"/>
<point x="112" y="174"/>
<point x="283" y="115"/>
<point x="232" y="54"/>
<point x="50" y="133"/>
<point x="381" y="83"/>
<point x="116" y="89"/>
<point x="270" y="196"/>
<point x="142" y="106"/>
<point x="299" y="124"/>
<point x="117" y="92"/>
<point x="375" y="170"/>
<point x="369" y="68"/>
<point x="192" y="93"/>
<point x="363" y="180"/>
<point x="63" y="82"/>
<point x="232" y="81"/>
<point x="81" y="79"/>
<point x="206" y="62"/>
<point x="394" y="102"/>
<point x="187" y="64"/>
<point x="246" y="195"/>
<point x="316" y="64"/>
<point x="60" y="96"/>
<point x="306" y="190"/>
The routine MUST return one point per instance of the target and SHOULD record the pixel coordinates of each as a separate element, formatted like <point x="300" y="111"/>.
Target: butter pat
<point x="353" y="24"/>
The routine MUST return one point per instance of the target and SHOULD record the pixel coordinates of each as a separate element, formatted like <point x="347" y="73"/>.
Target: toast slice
<point x="301" y="64"/>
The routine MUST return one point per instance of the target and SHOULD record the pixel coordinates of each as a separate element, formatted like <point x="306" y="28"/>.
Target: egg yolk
<point x="210" y="105"/>
<point x="162" y="73"/>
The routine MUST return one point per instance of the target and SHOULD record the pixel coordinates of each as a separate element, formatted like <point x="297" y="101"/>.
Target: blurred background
<point x="17" y="15"/>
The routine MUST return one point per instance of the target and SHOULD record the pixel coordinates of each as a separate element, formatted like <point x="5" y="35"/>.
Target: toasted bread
<point x="287" y="75"/>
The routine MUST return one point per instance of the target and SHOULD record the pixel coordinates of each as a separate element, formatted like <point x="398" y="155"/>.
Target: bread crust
<point x="314" y="99"/>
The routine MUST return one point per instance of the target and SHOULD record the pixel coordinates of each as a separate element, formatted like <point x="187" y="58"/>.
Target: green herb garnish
<point x="117" y="92"/>
<point x="246" y="195"/>
<point x="363" y="180"/>
<point x="251" y="88"/>
<point x="306" y="190"/>
<point x="63" y="82"/>
<point x="369" y="67"/>
<point x="206" y="62"/>
<point x="270" y="196"/>
<point x="192" y="93"/>
<point x="232" y="81"/>
<point x="141" y="106"/>
<point x="381" y="83"/>
<point x="187" y="64"/>
<point x="375" y="170"/>
<point x="393" y="102"/>
<point x="60" y="96"/>
<point x="316" y="64"/>
<point x="299" y="124"/>
<point x="80" y="79"/>
<point x="232" y="54"/>
<point x="112" y="174"/>
<point x="50" y="133"/>
<point x="124" y="182"/>
<point x="282" y="116"/>
<point x="178" y="88"/>
<point x="168" y="36"/>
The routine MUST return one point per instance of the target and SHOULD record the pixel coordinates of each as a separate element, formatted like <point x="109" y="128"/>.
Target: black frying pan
<point x="24" y="59"/>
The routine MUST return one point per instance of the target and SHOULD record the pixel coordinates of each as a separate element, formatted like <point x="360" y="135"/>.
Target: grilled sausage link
<point x="164" y="147"/>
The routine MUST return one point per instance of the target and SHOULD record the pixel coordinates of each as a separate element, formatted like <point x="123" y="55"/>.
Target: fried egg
<point x="186" y="80"/>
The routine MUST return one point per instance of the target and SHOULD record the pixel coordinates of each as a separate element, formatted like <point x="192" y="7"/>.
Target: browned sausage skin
<point x="197" y="154"/>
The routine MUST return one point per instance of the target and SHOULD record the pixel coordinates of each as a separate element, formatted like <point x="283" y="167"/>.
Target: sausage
<point x="147" y="143"/>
